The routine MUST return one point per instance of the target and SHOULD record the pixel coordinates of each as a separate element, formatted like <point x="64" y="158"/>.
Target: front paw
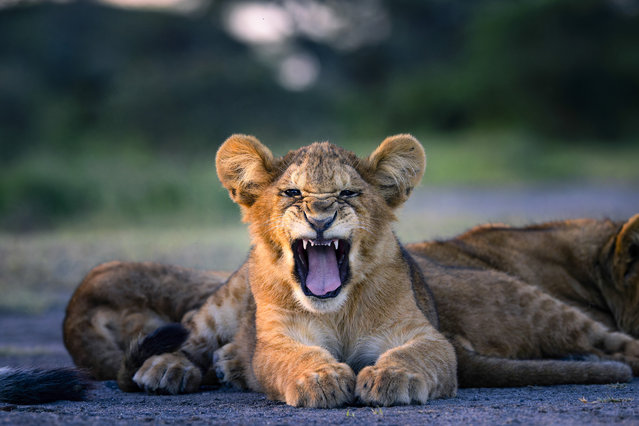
<point x="168" y="374"/>
<point x="328" y="386"/>
<point x="229" y="367"/>
<point x="390" y="386"/>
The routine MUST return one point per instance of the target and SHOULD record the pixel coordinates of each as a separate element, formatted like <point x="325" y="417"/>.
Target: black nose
<point x="320" y="225"/>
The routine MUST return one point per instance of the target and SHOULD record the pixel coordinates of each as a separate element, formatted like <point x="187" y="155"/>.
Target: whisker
<point x="273" y="219"/>
<point x="273" y="227"/>
<point x="363" y="228"/>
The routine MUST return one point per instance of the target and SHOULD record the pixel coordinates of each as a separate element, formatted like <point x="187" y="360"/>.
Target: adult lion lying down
<point x="329" y="307"/>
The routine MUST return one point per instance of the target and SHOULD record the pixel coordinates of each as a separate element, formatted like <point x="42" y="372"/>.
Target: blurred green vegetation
<point x="112" y="116"/>
<point x="39" y="270"/>
<point x="108" y="188"/>
<point x="104" y="190"/>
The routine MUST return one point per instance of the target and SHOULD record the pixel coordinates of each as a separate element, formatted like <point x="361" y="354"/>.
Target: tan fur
<point x="118" y="301"/>
<point x="546" y="291"/>
<point x="323" y="352"/>
<point x="374" y="340"/>
<point x="507" y="297"/>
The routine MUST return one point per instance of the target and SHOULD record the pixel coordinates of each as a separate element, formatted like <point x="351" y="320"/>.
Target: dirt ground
<point x="37" y="341"/>
<point x="34" y="339"/>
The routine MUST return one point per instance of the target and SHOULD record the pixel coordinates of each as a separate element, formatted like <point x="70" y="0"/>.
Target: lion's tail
<point x="476" y="370"/>
<point x="167" y="338"/>
<point x="37" y="386"/>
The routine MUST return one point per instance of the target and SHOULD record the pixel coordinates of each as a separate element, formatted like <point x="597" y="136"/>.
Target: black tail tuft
<point x="36" y="386"/>
<point x="167" y="338"/>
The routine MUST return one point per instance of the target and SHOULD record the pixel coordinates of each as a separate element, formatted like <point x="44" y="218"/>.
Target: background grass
<point x="39" y="271"/>
<point x="101" y="189"/>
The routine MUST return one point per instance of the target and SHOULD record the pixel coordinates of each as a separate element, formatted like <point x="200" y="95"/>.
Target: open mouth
<point x="321" y="266"/>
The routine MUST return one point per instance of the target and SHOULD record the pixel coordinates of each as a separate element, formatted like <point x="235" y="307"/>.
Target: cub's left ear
<point x="397" y="166"/>
<point x="626" y="256"/>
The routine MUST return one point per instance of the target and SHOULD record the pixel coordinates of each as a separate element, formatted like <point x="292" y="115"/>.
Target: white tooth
<point x="312" y="242"/>
<point x="304" y="243"/>
<point x="336" y="242"/>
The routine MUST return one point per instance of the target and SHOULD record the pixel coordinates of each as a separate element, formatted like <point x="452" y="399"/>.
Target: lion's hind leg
<point x="559" y="330"/>
<point x="510" y="333"/>
<point x="563" y="330"/>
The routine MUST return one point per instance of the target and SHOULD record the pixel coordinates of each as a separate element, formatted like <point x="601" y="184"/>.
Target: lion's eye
<point x="348" y="193"/>
<point x="292" y="192"/>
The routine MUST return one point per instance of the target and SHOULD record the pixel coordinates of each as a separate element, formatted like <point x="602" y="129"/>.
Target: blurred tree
<point x="82" y="73"/>
<point x="567" y="68"/>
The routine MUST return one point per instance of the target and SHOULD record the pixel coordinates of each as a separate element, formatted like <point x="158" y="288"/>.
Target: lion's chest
<point x="350" y="343"/>
<point x="357" y="348"/>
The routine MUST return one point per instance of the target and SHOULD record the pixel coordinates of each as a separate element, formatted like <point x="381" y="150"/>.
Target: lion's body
<point x="367" y="327"/>
<point x="539" y="292"/>
<point x="119" y="301"/>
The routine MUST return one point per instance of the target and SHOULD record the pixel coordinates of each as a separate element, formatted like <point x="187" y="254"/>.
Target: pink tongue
<point x="323" y="274"/>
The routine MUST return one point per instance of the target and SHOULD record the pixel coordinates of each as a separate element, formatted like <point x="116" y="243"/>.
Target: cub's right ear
<point x="245" y="167"/>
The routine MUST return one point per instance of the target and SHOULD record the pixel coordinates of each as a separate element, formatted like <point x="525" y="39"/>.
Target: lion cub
<point x="332" y="312"/>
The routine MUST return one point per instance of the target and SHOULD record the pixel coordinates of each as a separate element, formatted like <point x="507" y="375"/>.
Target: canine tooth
<point x="304" y="243"/>
<point x="312" y="242"/>
<point x="336" y="242"/>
